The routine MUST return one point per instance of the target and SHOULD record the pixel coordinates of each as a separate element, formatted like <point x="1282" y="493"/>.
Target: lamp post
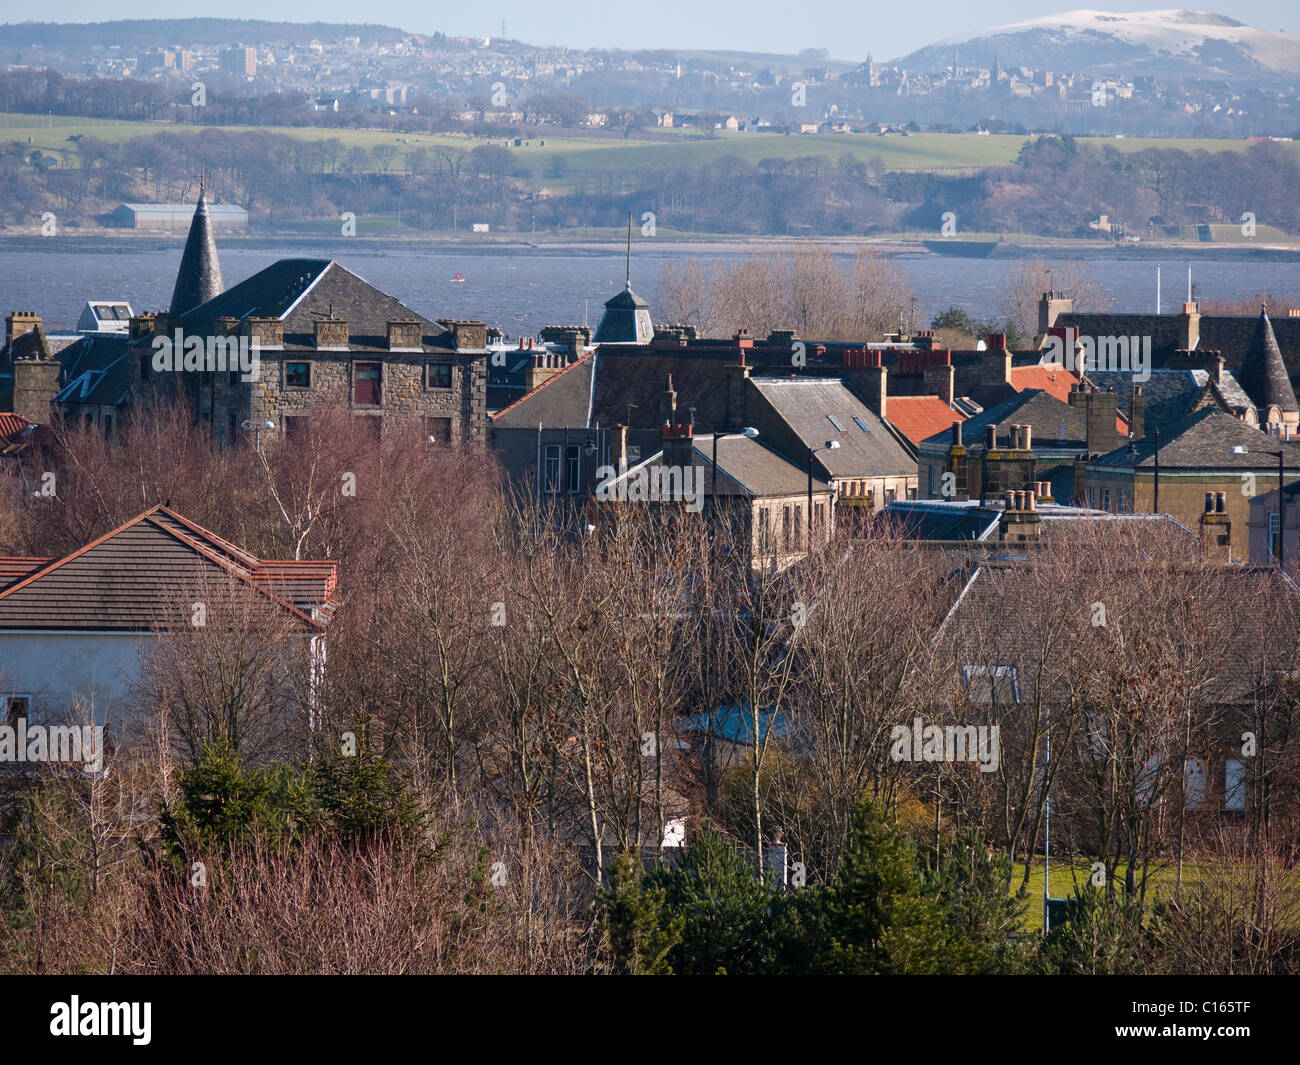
<point x="830" y="445"/>
<point x="257" y="432"/>
<point x="748" y="431"/>
<point x="1281" y="502"/>
<point x="1155" y="506"/>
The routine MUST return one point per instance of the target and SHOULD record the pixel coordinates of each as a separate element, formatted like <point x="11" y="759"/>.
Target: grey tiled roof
<point x="807" y="405"/>
<point x="626" y="320"/>
<point x="1055" y="425"/>
<point x="1263" y="374"/>
<point x="199" y="277"/>
<point x="747" y="467"/>
<point x="301" y="291"/>
<point x="1204" y="440"/>
<point x="1170" y="395"/>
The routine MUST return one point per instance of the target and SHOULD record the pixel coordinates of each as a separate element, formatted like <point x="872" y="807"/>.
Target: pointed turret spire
<point x="199" y="277"/>
<point x="1263" y="373"/>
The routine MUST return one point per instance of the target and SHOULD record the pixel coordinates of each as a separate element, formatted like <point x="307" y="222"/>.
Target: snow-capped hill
<point x="1168" y="43"/>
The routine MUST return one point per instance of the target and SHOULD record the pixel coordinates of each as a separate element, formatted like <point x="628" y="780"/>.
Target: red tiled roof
<point x="919" y="417"/>
<point x="1054" y="380"/>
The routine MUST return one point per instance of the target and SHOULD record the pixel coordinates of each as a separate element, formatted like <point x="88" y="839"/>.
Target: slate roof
<point x="199" y="277"/>
<point x="626" y="320"/>
<point x="918" y="520"/>
<point x="1228" y="334"/>
<point x="1055" y="425"/>
<point x="98" y="370"/>
<point x="747" y="467"/>
<point x="1263" y="373"/>
<point x="299" y="292"/>
<point x="561" y="401"/>
<point x="1204" y="440"/>
<point x="634" y="376"/>
<point x="807" y="406"/>
<point x="131" y="579"/>
<point x="1171" y="395"/>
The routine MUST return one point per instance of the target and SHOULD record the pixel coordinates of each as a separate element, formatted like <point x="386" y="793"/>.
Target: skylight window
<point x="836" y="422"/>
<point x="863" y="425"/>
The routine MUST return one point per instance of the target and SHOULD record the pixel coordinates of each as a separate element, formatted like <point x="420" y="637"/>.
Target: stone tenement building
<point x="324" y="336"/>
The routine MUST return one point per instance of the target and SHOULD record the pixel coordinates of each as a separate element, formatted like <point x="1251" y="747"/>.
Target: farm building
<point x="224" y="216"/>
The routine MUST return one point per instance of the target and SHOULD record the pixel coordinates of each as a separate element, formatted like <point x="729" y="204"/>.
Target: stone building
<point x="299" y="334"/>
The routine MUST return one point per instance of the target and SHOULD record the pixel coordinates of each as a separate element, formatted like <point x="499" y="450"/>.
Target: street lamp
<point x="1155" y="505"/>
<point x="257" y="431"/>
<point x="1281" y="504"/>
<point x="830" y="445"/>
<point x="748" y="431"/>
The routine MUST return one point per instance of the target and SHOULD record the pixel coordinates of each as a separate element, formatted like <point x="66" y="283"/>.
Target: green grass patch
<point x="563" y="162"/>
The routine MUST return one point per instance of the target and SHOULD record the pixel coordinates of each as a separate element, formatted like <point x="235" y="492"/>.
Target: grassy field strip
<point x="565" y="160"/>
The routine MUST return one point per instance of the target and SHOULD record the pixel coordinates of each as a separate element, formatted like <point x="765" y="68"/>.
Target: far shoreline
<point x="100" y="240"/>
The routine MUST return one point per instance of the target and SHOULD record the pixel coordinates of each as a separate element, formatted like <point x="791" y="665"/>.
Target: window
<point x="1123" y="501"/>
<point x="764" y="529"/>
<point x="12" y="707"/>
<point x="862" y="425"/>
<point x="295" y="425"/>
<point x="785" y="527"/>
<point x="992" y="685"/>
<point x="1092" y="499"/>
<point x="798" y="527"/>
<point x="1234" y="785"/>
<point x="1194" y="784"/>
<point x="108" y="427"/>
<point x="572" y="467"/>
<point x="366" y="390"/>
<point x="836" y="422"/>
<point x="911" y="493"/>
<point x="297" y="375"/>
<point x="890" y="495"/>
<point x="934" y="481"/>
<point x="439" y="429"/>
<point x="551" y="469"/>
<point x="1273" y="526"/>
<point x="439" y="375"/>
<point x="1105" y="499"/>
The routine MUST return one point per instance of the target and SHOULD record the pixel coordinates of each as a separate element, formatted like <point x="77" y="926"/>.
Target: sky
<point x="849" y="29"/>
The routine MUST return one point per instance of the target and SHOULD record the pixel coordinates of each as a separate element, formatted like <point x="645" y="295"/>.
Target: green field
<point x="565" y="161"/>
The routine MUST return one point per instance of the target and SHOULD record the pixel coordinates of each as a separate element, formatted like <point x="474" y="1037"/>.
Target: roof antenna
<point x="628" y="282"/>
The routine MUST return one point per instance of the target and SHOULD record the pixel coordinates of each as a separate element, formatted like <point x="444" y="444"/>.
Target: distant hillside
<point x="1150" y="43"/>
<point x="157" y="33"/>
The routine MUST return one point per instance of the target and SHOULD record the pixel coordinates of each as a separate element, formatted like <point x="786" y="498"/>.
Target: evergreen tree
<point x="635" y="929"/>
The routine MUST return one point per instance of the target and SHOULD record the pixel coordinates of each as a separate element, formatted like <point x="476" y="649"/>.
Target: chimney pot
<point x="1220" y="502"/>
<point x="1209" y="502"/>
<point x="991" y="434"/>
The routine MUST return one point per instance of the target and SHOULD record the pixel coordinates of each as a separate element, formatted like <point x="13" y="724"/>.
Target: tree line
<point x="1054" y="188"/>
